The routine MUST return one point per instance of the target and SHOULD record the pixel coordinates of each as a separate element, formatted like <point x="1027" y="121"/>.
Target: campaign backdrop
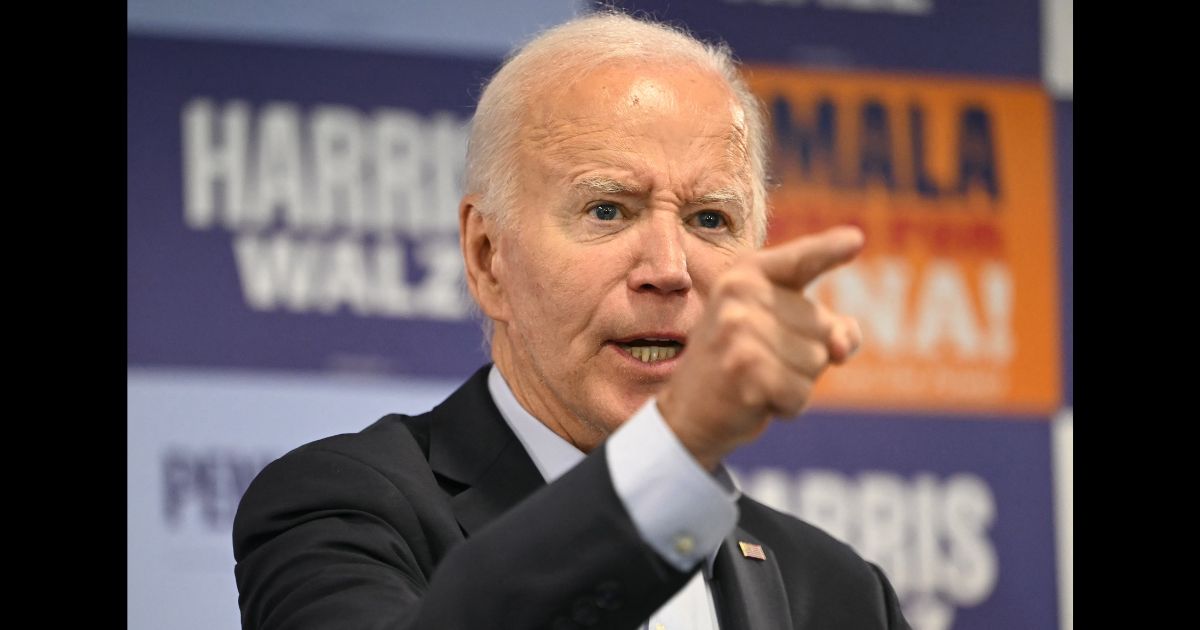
<point x="953" y="509"/>
<point x="296" y="208"/>
<point x="952" y="181"/>
<point x="989" y="37"/>
<point x="293" y="271"/>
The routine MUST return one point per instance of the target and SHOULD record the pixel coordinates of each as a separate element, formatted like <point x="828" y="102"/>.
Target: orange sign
<point x="952" y="182"/>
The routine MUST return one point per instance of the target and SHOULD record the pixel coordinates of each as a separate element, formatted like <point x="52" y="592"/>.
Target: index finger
<point x="798" y="262"/>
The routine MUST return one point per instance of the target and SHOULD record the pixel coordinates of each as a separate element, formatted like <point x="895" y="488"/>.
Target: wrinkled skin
<point x="633" y="221"/>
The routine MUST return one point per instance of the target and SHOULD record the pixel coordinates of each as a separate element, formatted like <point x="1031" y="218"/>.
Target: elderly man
<point x="610" y="231"/>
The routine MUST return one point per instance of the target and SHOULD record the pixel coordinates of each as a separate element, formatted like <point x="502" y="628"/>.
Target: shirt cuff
<point x="680" y="510"/>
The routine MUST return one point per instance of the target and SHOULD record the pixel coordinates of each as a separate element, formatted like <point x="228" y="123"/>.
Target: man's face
<point x="634" y="197"/>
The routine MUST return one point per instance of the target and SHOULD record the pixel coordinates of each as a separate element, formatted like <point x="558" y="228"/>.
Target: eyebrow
<point x="609" y="186"/>
<point x="728" y="195"/>
<point x="606" y="186"/>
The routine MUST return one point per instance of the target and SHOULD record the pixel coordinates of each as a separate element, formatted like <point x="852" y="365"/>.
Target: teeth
<point x="651" y="354"/>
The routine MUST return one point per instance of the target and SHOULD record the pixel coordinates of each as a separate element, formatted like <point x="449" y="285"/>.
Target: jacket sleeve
<point x="323" y="540"/>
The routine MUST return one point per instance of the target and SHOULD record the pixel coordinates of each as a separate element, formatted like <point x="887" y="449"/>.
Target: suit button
<point x="608" y="595"/>
<point x="584" y="613"/>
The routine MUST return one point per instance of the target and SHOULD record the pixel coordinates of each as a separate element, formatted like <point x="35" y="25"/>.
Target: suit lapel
<point x="749" y="592"/>
<point x="471" y="444"/>
<point x="511" y="477"/>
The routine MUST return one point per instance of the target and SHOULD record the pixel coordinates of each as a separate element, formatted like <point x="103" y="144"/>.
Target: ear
<point x="484" y="268"/>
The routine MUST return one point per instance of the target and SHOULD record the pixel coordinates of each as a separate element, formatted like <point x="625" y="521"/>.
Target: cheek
<point x="573" y="291"/>
<point x="706" y="263"/>
<point x="546" y="277"/>
<point x="545" y="290"/>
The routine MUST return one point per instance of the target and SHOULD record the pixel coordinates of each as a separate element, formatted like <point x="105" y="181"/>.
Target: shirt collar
<point x="552" y="455"/>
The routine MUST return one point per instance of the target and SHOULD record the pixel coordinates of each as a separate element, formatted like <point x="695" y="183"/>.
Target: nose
<point x="661" y="262"/>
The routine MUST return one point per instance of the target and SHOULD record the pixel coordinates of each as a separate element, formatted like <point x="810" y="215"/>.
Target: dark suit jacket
<point x="442" y="521"/>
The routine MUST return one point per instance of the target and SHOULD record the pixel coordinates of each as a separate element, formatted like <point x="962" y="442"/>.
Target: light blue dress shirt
<point x="681" y="510"/>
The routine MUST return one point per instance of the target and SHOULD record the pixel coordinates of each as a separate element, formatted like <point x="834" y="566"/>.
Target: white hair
<point x="571" y="50"/>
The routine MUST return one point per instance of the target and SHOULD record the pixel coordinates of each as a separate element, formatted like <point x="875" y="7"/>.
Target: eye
<point x="710" y="219"/>
<point x="605" y="212"/>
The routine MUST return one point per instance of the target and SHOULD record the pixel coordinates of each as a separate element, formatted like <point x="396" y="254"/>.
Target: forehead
<point x="639" y="118"/>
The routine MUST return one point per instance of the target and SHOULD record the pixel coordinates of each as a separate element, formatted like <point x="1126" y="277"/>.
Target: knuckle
<point x="808" y="356"/>
<point x="820" y="352"/>
<point x="794" y="396"/>
<point x="729" y="283"/>
<point x="826" y="321"/>
<point x="750" y="373"/>
<point x="740" y="357"/>
<point x="819" y="356"/>
<point x="740" y="281"/>
<point x="732" y="318"/>
<point x="751" y="396"/>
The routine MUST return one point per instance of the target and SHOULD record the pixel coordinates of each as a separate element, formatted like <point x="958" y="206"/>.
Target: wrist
<point x="704" y="450"/>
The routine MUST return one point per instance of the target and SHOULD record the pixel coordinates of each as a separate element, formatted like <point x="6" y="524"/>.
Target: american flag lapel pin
<point x="751" y="550"/>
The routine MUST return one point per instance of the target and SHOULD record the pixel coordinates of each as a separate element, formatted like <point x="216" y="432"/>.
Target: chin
<point x="616" y="400"/>
<point x="627" y="404"/>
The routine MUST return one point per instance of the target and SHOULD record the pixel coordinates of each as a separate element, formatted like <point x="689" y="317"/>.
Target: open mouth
<point x="651" y="350"/>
